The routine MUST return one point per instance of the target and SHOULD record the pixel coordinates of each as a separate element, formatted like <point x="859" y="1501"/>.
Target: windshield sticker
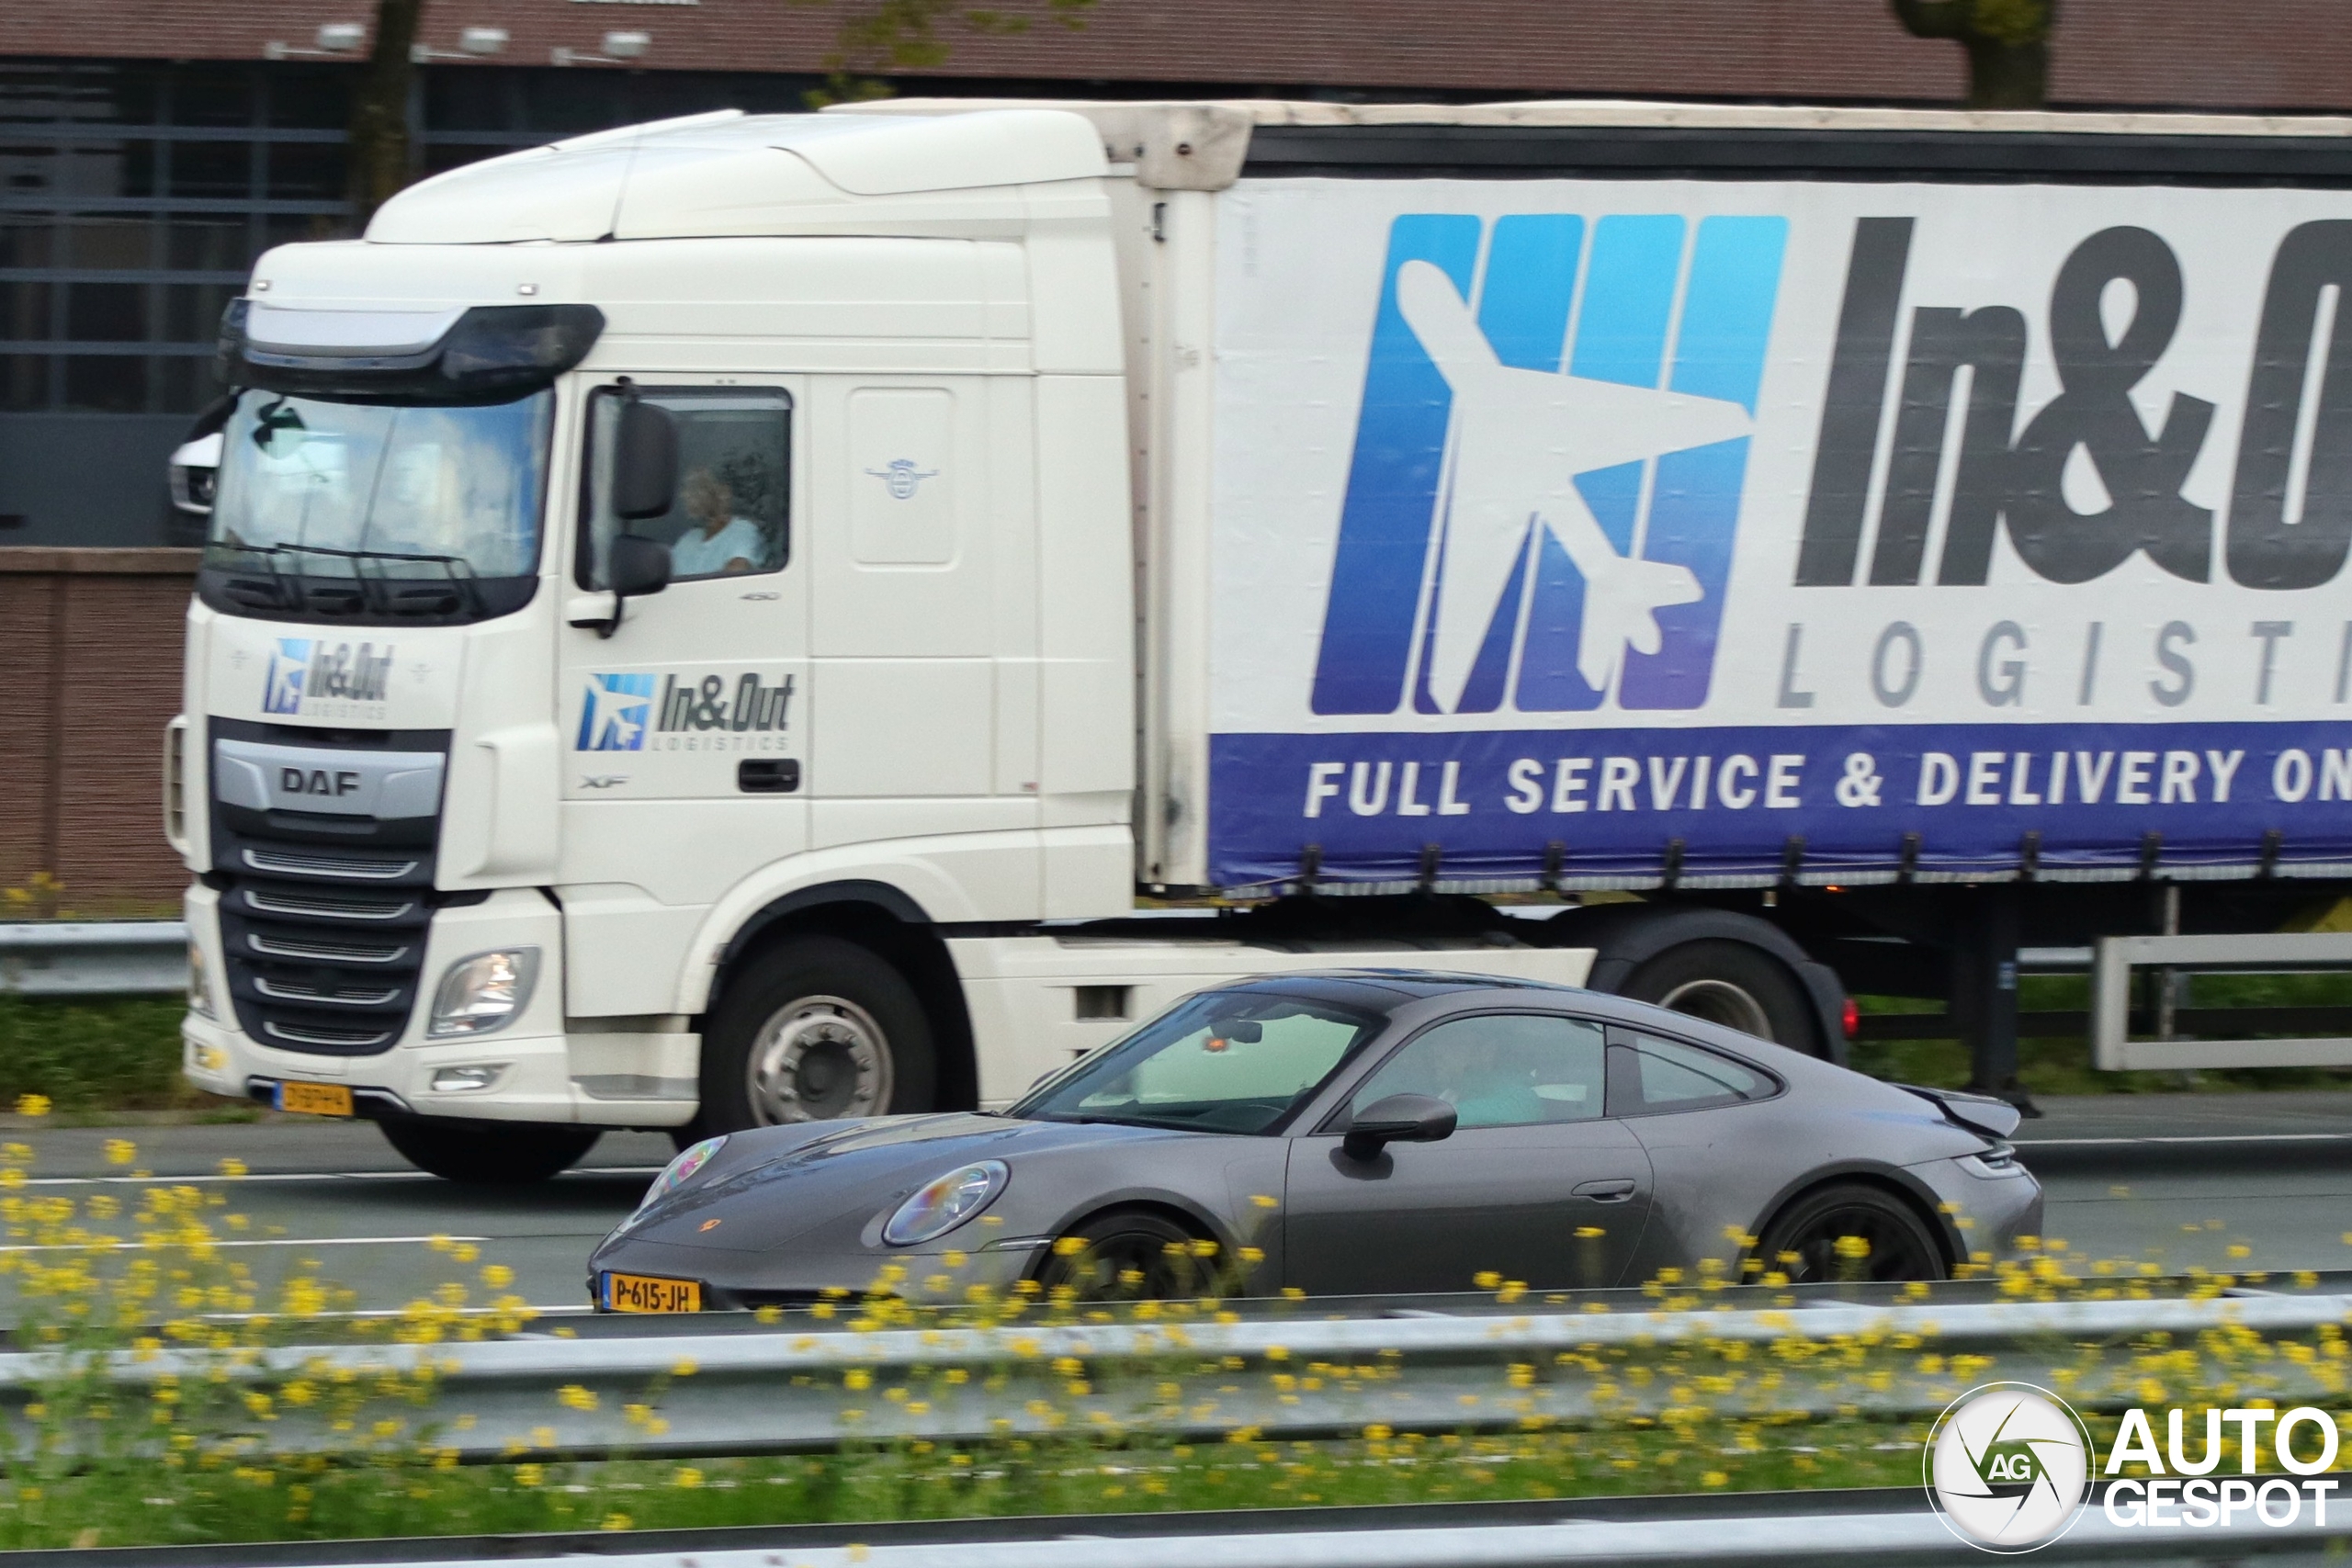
<point x="317" y="678"/>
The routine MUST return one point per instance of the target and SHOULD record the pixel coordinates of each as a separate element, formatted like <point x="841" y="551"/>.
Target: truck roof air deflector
<point x="485" y="355"/>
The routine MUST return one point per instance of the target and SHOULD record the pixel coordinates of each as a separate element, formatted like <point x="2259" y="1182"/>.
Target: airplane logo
<point x="289" y="667"/>
<point x="617" y="712"/>
<point x="1546" y="480"/>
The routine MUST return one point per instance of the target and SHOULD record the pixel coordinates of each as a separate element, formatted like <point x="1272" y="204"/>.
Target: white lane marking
<point x="2025" y="1144"/>
<point x="272" y="1241"/>
<point x="647" y="1171"/>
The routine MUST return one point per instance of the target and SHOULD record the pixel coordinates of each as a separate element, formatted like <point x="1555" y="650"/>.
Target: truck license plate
<point x="638" y="1293"/>
<point x="316" y="1099"/>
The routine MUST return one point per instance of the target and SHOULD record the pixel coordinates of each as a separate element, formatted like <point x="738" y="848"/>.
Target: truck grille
<point x="354" y="868"/>
<point x="308" y="906"/>
<point x="323" y="920"/>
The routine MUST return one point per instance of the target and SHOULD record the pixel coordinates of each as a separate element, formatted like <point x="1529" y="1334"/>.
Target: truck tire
<point x="1802" y="1240"/>
<point x="820" y="1028"/>
<point x="1733" y="985"/>
<point x="488" y="1154"/>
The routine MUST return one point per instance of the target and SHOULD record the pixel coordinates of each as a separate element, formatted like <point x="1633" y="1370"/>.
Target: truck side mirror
<point x="1399" y="1119"/>
<point x="645" y="465"/>
<point x="636" y="565"/>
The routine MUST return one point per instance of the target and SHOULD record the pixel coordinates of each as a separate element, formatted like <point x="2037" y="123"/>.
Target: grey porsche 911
<point x="1356" y="1133"/>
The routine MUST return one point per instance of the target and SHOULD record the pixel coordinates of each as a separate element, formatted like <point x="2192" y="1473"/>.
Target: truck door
<point x="923" y="613"/>
<point x="683" y="728"/>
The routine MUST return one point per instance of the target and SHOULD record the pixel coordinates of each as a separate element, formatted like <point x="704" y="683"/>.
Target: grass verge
<point x="92" y="1057"/>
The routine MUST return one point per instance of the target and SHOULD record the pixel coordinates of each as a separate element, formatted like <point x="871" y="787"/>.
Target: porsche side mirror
<point x="1399" y="1119"/>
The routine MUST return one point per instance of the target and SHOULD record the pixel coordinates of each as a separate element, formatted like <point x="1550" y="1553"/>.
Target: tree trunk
<point x="2007" y="43"/>
<point x="378" y="145"/>
<point x="2007" y="75"/>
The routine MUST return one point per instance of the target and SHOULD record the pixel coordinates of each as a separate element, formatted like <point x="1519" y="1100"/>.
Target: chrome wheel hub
<point x="819" y="1058"/>
<point x="1720" y="1001"/>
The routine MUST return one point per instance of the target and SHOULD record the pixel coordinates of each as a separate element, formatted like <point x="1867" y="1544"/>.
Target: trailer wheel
<point x="489" y="1153"/>
<point x="1733" y="985"/>
<point x="820" y="1029"/>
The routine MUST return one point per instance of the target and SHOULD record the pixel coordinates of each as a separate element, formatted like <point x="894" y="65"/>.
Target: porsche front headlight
<point x="940" y="1205"/>
<point x="676" y="1174"/>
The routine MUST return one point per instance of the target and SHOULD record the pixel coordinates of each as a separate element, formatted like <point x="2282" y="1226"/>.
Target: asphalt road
<point x="2175" y="1180"/>
<point x="2183" y="1180"/>
<point x="331" y="1199"/>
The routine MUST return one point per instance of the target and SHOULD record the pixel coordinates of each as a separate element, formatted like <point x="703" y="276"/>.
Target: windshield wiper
<point x="1160" y="1122"/>
<point x="374" y="588"/>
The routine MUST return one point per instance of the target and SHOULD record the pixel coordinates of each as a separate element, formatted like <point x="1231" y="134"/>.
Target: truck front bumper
<point x="527" y="1070"/>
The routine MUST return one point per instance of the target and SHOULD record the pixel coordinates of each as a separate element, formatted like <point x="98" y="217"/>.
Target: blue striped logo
<point x="1544" y="494"/>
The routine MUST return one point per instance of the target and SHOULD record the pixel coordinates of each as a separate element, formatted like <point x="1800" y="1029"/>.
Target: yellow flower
<point x="615" y="1522"/>
<point x="33" y="1105"/>
<point x="1264" y="1201"/>
<point x="498" y="1276"/>
<point x="231" y="1166"/>
<point x="121" y="1151"/>
<point x="574" y="1397"/>
<point x="687" y="1477"/>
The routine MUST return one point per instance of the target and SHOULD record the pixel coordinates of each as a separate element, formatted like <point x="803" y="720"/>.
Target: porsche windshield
<point x="316" y="488"/>
<point x="1224" y="1061"/>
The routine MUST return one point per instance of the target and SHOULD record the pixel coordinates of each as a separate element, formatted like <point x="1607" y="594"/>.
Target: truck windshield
<point x="1224" y="1061"/>
<point x="377" y="514"/>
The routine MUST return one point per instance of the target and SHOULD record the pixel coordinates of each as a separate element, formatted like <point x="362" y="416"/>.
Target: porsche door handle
<point x="1611" y="1191"/>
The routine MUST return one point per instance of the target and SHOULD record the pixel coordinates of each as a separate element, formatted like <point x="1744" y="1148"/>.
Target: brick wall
<point x="2250" y="55"/>
<point x="89" y="675"/>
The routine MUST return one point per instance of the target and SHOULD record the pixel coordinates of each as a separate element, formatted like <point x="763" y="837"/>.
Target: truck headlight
<point x="199" y="981"/>
<point x="484" y="992"/>
<point x="940" y="1205"/>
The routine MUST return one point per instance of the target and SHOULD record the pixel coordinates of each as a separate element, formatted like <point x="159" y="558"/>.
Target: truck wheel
<point x="1731" y="984"/>
<point x="1802" y="1239"/>
<point x="821" y="1028"/>
<point x="488" y="1154"/>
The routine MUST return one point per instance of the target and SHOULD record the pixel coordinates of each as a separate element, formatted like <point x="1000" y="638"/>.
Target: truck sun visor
<point x="486" y="354"/>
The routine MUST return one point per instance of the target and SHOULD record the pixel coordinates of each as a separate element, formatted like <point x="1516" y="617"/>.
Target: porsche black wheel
<point x="1850" y="1232"/>
<point x="489" y="1153"/>
<point x="1127" y="1255"/>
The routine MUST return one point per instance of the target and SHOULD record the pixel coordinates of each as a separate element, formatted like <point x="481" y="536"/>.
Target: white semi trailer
<point x="754" y="618"/>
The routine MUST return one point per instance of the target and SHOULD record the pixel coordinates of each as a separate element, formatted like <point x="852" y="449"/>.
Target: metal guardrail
<point x="790" y="1391"/>
<point x="93" y="958"/>
<point x="1888" y="1526"/>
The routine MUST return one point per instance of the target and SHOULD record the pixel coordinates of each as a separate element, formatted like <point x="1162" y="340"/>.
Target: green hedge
<point x="118" y="1053"/>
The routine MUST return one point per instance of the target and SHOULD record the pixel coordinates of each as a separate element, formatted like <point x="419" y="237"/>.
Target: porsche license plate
<point x="316" y="1099"/>
<point x="640" y="1292"/>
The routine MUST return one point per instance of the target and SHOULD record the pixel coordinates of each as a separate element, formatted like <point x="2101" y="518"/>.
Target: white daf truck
<point x="756" y="618"/>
